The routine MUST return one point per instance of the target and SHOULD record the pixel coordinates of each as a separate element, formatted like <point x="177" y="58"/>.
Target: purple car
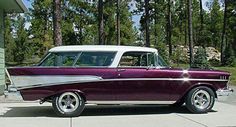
<point x="72" y="76"/>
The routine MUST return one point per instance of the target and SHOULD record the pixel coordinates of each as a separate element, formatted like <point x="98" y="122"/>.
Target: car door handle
<point x="120" y="70"/>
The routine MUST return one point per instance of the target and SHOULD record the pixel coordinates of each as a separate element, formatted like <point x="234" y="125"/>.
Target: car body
<point x="72" y="76"/>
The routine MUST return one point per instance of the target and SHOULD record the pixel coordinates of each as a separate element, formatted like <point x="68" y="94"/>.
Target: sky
<point x="135" y="18"/>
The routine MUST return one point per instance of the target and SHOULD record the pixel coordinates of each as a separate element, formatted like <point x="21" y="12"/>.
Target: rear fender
<point x="63" y="91"/>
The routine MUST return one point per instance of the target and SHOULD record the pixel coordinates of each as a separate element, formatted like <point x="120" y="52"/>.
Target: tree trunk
<point x="201" y="26"/>
<point x="118" y="22"/>
<point x="185" y="24"/>
<point x="201" y="15"/>
<point x="169" y="28"/>
<point x="57" y="36"/>
<point x="155" y="23"/>
<point x="223" y="33"/>
<point x="190" y="32"/>
<point x="100" y="23"/>
<point x="147" y="23"/>
<point x="80" y="29"/>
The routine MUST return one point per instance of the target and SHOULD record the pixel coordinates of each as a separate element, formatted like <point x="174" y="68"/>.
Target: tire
<point x="200" y="100"/>
<point x="68" y="104"/>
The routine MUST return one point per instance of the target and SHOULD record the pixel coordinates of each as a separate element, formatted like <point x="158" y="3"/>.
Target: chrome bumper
<point x="224" y="92"/>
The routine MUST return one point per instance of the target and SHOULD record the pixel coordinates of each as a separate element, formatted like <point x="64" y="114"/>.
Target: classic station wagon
<point x="72" y="76"/>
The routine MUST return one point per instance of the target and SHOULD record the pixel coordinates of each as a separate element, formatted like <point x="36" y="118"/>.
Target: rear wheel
<point x="200" y="99"/>
<point x="68" y="104"/>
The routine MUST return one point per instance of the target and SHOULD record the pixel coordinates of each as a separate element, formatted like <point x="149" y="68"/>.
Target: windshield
<point x="85" y="59"/>
<point x="161" y="61"/>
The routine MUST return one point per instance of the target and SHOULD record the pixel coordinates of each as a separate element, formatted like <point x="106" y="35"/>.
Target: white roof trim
<point x="101" y="48"/>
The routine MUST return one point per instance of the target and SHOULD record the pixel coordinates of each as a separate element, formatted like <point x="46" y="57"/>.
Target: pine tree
<point x="216" y="18"/>
<point x="20" y="40"/>
<point x="41" y="26"/>
<point x="10" y="44"/>
<point x="200" y="59"/>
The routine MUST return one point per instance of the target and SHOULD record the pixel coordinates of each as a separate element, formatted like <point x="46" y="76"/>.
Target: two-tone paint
<point x="115" y="85"/>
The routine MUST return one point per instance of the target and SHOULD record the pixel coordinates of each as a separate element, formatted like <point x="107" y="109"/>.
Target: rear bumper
<point x="224" y="92"/>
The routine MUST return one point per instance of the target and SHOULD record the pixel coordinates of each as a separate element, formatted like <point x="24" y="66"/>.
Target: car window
<point x="137" y="59"/>
<point x="60" y="59"/>
<point x="161" y="62"/>
<point x="151" y="59"/>
<point x="88" y="59"/>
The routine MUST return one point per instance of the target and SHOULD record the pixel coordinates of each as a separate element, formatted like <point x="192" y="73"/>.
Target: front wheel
<point x="68" y="104"/>
<point x="200" y="99"/>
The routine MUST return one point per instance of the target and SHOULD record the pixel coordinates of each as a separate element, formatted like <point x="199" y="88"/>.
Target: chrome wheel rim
<point x="68" y="102"/>
<point x="201" y="99"/>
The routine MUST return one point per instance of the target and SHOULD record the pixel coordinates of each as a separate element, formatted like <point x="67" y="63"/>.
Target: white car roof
<point x="75" y="48"/>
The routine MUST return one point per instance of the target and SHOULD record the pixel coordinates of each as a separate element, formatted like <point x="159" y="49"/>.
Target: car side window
<point x="137" y="59"/>
<point x="95" y="59"/>
<point x="60" y="59"/>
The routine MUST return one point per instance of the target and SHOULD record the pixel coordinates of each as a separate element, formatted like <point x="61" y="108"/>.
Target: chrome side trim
<point x="130" y="102"/>
<point x="169" y="79"/>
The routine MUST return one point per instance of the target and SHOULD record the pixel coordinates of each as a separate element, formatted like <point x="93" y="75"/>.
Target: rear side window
<point x="93" y="59"/>
<point x="79" y="59"/>
<point x="60" y="59"/>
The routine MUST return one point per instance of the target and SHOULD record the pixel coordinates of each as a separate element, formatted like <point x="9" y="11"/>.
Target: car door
<point x="138" y="78"/>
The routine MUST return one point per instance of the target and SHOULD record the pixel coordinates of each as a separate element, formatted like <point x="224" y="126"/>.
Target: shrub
<point x="200" y="59"/>
<point x="214" y="62"/>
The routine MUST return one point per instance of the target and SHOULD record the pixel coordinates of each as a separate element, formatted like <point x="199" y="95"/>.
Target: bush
<point x="179" y="56"/>
<point x="214" y="62"/>
<point x="200" y="59"/>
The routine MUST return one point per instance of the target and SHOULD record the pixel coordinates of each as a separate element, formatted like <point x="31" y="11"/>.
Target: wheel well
<point x="206" y="85"/>
<point x="82" y="95"/>
<point x="50" y="98"/>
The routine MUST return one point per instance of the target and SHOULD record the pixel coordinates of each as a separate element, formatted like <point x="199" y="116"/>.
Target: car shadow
<point x="101" y="110"/>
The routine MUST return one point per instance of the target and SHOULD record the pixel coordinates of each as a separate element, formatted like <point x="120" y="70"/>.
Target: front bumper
<point x="224" y="92"/>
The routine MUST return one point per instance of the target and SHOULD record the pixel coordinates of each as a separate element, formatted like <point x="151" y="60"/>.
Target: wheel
<point x="68" y="104"/>
<point x="200" y="100"/>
